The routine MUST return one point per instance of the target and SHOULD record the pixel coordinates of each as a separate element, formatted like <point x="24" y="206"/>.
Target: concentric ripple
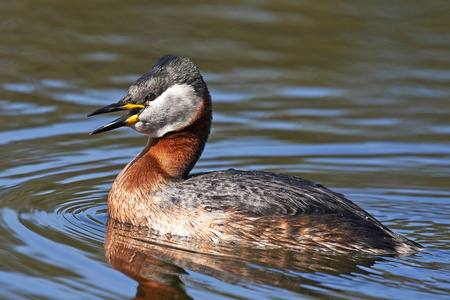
<point x="83" y="218"/>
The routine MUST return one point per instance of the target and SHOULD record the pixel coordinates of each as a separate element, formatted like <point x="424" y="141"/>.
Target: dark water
<point x="352" y="94"/>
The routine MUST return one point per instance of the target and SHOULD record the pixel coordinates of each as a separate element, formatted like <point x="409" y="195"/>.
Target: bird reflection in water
<point x="160" y="264"/>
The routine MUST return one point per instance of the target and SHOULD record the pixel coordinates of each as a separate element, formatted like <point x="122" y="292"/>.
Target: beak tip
<point x="125" y="120"/>
<point x="96" y="112"/>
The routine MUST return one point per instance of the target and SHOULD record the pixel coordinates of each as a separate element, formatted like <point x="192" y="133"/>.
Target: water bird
<point x="172" y="105"/>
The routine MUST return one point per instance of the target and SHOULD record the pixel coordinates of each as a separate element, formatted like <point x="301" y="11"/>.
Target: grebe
<point x="172" y="105"/>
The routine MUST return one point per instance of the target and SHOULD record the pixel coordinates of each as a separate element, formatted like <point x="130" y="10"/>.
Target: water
<point x="354" y="95"/>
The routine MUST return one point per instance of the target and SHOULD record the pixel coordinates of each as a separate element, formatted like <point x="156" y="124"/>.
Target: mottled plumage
<point x="283" y="211"/>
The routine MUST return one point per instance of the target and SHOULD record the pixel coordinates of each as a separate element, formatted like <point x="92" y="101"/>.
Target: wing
<point x="259" y="194"/>
<point x="273" y="209"/>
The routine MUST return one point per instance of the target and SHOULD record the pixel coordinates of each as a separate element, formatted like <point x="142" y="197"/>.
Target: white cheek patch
<point x="173" y="110"/>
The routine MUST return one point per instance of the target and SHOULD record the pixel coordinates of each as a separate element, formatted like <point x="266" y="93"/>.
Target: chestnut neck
<point x="173" y="156"/>
<point x="163" y="160"/>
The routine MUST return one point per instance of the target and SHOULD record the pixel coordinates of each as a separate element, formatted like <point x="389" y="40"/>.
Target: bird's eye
<point x="150" y="97"/>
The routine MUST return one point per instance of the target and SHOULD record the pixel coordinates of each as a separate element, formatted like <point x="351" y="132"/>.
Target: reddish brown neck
<point x="164" y="160"/>
<point x="175" y="154"/>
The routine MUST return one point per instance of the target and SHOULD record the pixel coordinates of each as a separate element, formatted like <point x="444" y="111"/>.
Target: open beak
<point x="131" y="117"/>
